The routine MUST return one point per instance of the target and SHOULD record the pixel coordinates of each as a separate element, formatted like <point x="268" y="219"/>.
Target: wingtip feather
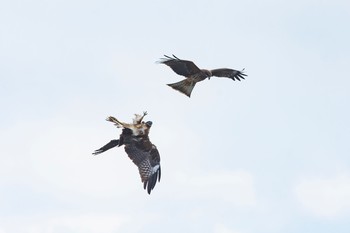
<point x="176" y="57"/>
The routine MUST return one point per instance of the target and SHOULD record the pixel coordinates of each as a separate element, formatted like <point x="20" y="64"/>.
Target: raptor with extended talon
<point x="139" y="148"/>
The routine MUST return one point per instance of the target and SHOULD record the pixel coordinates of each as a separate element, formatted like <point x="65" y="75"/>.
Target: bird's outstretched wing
<point x="229" y="73"/>
<point x="181" y="67"/>
<point x="110" y="145"/>
<point x="147" y="160"/>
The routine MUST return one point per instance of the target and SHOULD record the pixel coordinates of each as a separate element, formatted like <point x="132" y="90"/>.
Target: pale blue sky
<point x="268" y="154"/>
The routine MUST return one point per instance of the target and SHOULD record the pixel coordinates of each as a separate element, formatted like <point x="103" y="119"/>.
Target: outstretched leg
<point x="138" y="118"/>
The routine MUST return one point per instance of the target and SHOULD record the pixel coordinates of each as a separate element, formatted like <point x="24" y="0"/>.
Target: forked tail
<point x="185" y="86"/>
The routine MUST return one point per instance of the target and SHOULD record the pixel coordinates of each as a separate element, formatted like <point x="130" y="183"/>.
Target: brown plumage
<point x="193" y="74"/>
<point x="139" y="148"/>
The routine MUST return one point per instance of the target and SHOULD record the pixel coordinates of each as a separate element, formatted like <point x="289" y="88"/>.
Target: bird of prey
<point x="193" y="74"/>
<point x="139" y="148"/>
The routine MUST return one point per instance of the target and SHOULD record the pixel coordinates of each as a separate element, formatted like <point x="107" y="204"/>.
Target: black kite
<point x="139" y="149"/>
<point x="193" y="74"/>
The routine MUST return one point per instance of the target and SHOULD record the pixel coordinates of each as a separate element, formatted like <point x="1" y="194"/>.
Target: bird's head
<point x="207" y="73"/>
<point x="149" y="124"/>
<point x="146" y="127"/>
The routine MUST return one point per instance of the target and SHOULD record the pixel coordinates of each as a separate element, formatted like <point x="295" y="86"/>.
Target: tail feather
<point x="185" y="86"/>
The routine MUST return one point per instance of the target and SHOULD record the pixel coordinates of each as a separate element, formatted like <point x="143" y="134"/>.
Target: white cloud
<point x="84" y="223"/>
<point x="325" y="197"/>
<point x="55" y="155"/>
<point x="88" y="223"/>
<point x="221" y="228"/>
<point x="234" y="187"/>
<point x="78" y="77"/>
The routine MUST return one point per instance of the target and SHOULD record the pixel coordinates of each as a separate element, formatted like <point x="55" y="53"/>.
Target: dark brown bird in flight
<point x="193" y="74"/>
<point x="139" y="148"/>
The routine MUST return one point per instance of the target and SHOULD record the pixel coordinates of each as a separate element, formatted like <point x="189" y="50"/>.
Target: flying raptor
<point x="193" y="74"/>
<point x="139" y="148"/>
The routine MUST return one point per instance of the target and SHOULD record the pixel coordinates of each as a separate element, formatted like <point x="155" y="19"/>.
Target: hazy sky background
<point x="269" y="154"/>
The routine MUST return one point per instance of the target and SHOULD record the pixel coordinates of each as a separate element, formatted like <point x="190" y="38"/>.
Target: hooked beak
<point x="149" y="124"/>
